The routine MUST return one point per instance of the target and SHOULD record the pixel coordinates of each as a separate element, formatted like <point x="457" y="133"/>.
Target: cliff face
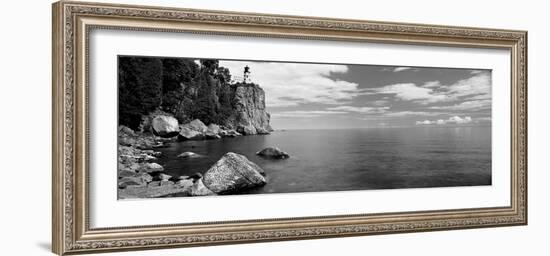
<point x="249" y="114"/>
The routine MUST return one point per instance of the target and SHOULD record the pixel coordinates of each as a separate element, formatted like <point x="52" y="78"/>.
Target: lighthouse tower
<point x="246" y="76"/>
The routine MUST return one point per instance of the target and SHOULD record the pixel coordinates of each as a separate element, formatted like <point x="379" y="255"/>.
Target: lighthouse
<point x="246" y="76"/>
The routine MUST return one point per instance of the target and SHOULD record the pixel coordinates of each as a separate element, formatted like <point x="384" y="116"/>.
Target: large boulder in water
<point x="233" y="173"/>
<point x="165" y="126"/>
<point x="273" y="152"/>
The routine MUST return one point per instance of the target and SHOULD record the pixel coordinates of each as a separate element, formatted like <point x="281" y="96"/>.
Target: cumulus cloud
<point x="451" y="120"/>
<point x="410" y="92"/>
<point x="477" y="87"/>
<point x="363" y="110"/>
<point x="292" y="84"/>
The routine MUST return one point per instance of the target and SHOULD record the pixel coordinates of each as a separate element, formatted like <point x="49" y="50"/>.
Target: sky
<point x="329" y="96"/>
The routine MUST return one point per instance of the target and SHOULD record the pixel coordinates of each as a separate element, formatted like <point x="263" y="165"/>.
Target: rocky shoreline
<point x="140" y="176"/>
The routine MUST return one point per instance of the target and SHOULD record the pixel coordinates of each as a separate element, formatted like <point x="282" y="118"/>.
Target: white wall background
<point x="26" y="116"/>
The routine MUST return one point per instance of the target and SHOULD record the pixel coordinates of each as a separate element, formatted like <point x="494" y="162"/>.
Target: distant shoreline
<point x="382" y="127"/>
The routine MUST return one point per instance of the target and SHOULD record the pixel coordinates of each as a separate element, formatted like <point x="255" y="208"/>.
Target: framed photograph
<point x="179" y="127"/>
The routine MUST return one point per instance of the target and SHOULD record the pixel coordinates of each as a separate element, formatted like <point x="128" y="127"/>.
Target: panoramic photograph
<point x="205" y="127"/>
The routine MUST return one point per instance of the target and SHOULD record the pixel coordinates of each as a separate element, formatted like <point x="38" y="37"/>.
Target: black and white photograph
<point x="201" y="127"/>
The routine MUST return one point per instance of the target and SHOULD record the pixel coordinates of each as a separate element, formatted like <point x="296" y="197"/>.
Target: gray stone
<point x="213" y="129"/>
<point x="273" y="152"/>
<point x="196" y="125"/>
<point x="162" y="177"/>
<point x="155" y="189"/>
<point x="165" y="126"/>
<point x="151" y="167"/>
<point x="233" y="173"/>
<point x="189" y="134"/>
<point x="137" y="180"/>
<point x="199" y="189"/>
<point x="189" y="154"/>
<point x="211" y="136"/>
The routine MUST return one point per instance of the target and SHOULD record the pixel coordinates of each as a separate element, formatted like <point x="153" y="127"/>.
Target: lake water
<point x="352" y="159"/>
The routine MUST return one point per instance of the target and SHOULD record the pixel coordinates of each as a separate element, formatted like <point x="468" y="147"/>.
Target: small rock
<point x="162" y="177"/>
<point x="151" y="167"/>
<point x="189" y="154"/>
<point x="125" y="130"/>
<point x="273" y="152"/>
<point x="133" y="181"/>
<point x="126" y="173"/>
<point x="199" y="189"/>
<point x="185" y="183"/>
<point x="196" y="176"/>
<point x="211" y="136"/>
<point x="183" y="177"/>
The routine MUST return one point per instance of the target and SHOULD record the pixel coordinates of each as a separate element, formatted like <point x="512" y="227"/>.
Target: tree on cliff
<point x="139" y="88"/>
<point x="177" y="73"/>
<point x="178" y="86"/>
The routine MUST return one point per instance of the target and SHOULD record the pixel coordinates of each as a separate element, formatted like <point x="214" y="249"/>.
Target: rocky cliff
<point x="249" y="114"/>
<point x="188" y="91"/>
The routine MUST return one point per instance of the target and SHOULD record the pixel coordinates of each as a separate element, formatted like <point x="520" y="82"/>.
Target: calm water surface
<point x="352" y="159"/>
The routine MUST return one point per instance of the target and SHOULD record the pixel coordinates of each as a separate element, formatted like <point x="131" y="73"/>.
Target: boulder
<point x="189" y="155"/>
<point x="211" y="136"/>
<point x="165" y="126"/>
<point x="273" y="152"/>
<point x="213" y="129"/>
<point x="126" y="173"/>
<point x="151" y="167"/>
<point x="125" y="130"/>
<point x="162" y="177"/>
<point x="155" y="189"/>
<point x="230" y="133"/>
<point x="199" y="189"/>
<point x="185" y="182"/>
<point x="196" y="125"/>
<point x="246" y="130"/>
<point x="189" y="134"/>
<point x="136" y="180"/>
<point x="233" y="173"/>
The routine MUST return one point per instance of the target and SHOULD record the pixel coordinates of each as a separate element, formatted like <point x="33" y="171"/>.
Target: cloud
<point x="412" y="113"/>
<point x="451" y="120"/>
<point x="410" y="92"/>
<point x="292" y="84"/>
<point x="432" y="84"/>
<point x="477" y="87"/>
<point x="399" y="69"/>
<point x="467" y="105"/>
<point x="363" y="110"/>
<point x="304" y="113"/>
<point x="479" y="84"/>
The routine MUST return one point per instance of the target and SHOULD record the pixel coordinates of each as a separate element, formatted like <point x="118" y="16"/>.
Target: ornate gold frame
<point x="72" y="22"/>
